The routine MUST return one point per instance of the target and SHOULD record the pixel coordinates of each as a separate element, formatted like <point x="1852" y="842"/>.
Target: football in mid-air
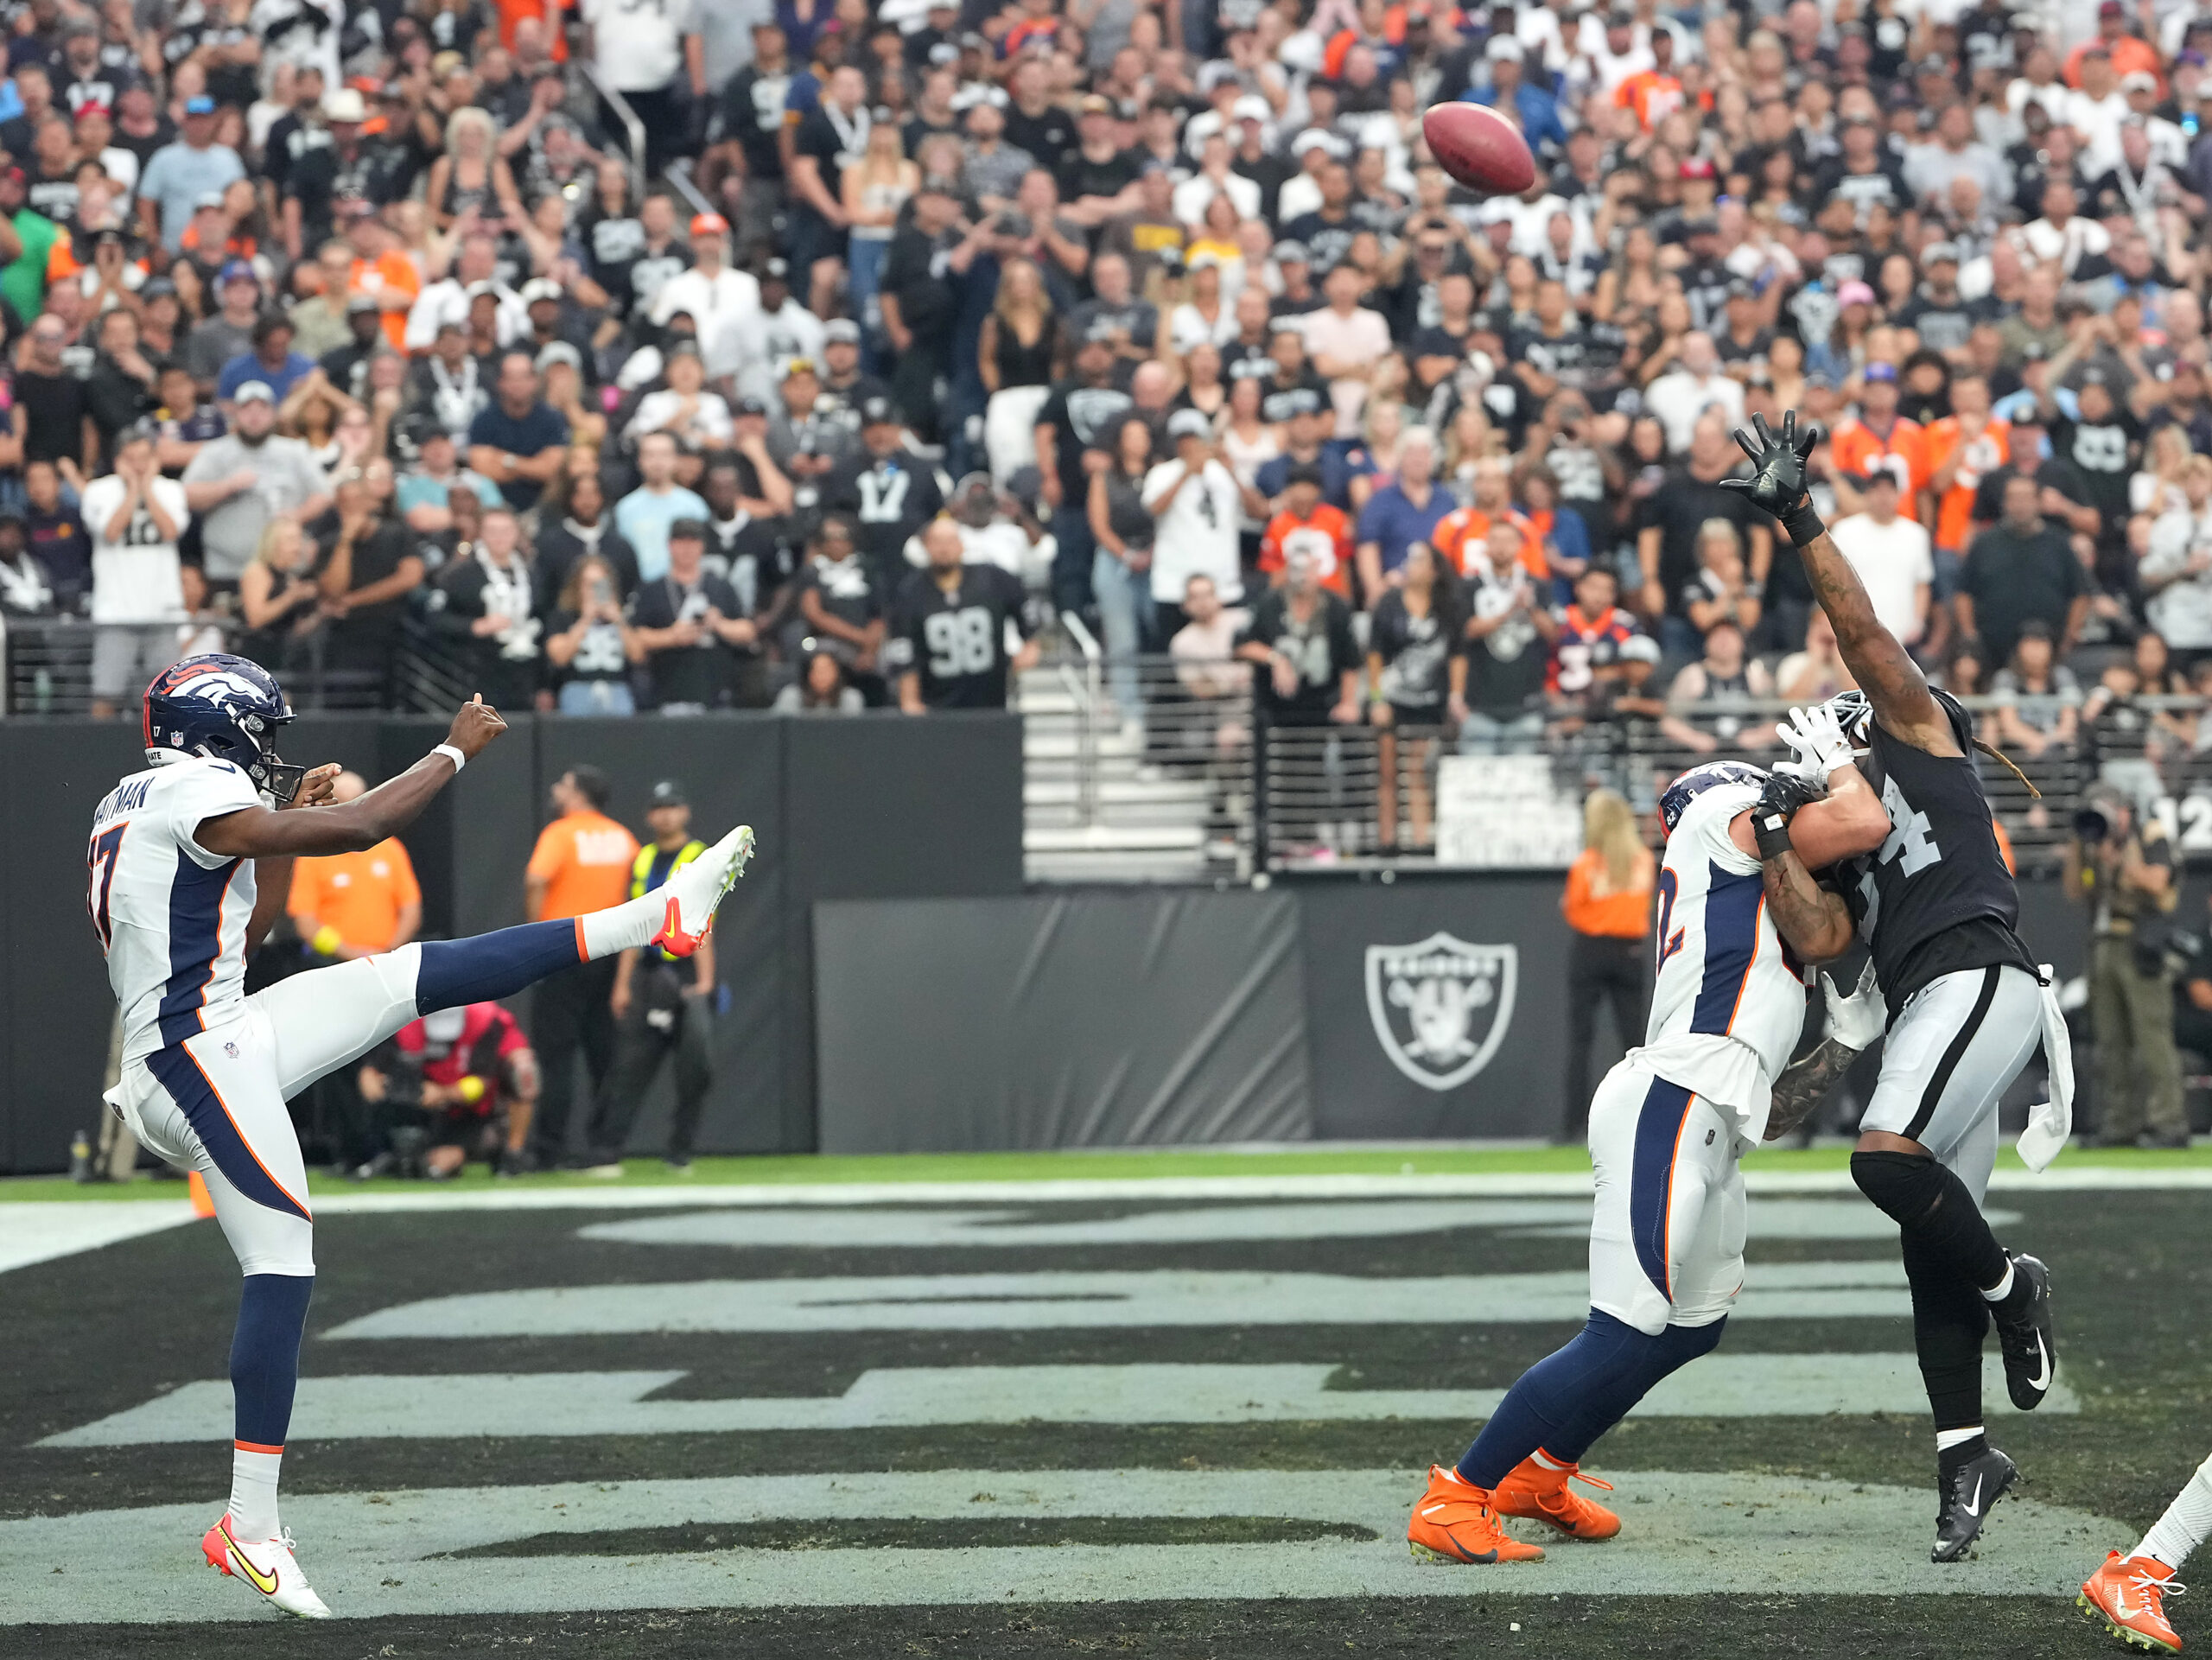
<point x="1479" y="148"/>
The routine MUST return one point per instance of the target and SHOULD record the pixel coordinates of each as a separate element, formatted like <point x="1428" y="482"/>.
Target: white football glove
<point x="1855" y="1021"/>
<point x="1816" y="736"/>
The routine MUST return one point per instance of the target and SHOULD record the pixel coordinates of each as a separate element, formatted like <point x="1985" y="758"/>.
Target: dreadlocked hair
<point x="1997" y="754"/>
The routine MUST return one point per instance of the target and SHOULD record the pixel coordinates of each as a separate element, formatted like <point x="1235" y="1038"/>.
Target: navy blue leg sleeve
<point x="494" y="965"/>
<point x="1558" y="1394"/>
<point x="266" y="1356"/>
<point x="1669" y="1351"/>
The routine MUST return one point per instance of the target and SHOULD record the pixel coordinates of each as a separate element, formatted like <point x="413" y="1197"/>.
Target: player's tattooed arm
<point x="1883" y="669"/>
<point x="1815" y="923"/>
<point x="1882" y="666"/>
<point x="359" y="824"/>
<point x="1854" y="1022"/>
<point x="1804" y="1084"/>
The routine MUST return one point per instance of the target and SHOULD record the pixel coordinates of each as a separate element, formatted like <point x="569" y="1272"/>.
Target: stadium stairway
<point x="1099" y="804"/>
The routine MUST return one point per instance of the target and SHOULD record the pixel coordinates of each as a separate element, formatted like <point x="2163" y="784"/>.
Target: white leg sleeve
<point x="324" y="1019"/>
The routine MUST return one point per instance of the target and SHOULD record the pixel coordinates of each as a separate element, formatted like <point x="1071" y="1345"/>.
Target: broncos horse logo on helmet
<point x="1676" y="800"/>
<point x="226" y="707"/>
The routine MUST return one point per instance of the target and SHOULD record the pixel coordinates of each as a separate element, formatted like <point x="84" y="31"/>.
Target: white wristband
<point x="452" y="755"/>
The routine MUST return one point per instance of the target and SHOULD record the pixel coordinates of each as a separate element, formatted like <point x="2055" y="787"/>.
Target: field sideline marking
<point x="390" y="1553"/>
<point x="617" y="1197"/>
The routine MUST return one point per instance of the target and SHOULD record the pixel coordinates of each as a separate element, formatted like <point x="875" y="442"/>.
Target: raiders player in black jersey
<point x="948" y="629"/>
<point x="1937" y="909"/>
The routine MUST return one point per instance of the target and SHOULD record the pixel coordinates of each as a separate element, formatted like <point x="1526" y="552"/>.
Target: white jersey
<point x="171" y="916"/>
<point x="1729" y="1002"/>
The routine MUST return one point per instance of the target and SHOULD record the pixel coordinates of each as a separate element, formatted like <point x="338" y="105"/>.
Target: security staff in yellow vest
<point x="661" y="1004"/>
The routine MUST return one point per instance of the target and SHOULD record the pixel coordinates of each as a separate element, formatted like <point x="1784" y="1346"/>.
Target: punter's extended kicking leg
<point x="189" y="865"/>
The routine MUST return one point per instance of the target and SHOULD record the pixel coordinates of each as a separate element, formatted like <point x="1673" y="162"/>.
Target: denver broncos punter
<point x="1667" y="1127"/>
<point x="190" y="864"/>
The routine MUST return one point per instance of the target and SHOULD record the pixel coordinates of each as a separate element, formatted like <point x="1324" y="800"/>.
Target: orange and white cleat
<point x="698" y="888"/>
<point x="1455" y="1523"/>
<point x="267" y="1565"/>
<point x="1537" y="1489"/>
<point x="2125" y="1593"/>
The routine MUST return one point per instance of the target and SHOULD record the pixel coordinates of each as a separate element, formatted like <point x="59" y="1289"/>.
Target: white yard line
<point x="41" y="1230"/>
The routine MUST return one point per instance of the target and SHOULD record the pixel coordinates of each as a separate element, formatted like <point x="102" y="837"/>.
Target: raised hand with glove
<point x="1816" y="739"/>
<point x="1778" y="480"/>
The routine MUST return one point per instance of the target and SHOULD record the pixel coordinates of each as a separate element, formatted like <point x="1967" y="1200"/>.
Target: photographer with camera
<point x="2124" y="871"/>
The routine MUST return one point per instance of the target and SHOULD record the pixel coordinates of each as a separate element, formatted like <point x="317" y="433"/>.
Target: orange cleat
<point x="1454" y="1522"/>
<point x="2125" y="1594"/>
<point x="1538" y="1490"/>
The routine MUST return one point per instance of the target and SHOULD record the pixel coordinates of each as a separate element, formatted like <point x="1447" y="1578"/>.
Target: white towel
<point x="2050" y="1124"/>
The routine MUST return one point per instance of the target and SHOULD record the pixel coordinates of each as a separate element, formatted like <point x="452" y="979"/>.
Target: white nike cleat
<point x="695" y="892"/>
<point x="267" y="1565"/>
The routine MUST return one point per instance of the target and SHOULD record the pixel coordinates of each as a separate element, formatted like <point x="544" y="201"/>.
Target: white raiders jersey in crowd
<point x="1729" y="1001"/>
<point x="171" y="916"/>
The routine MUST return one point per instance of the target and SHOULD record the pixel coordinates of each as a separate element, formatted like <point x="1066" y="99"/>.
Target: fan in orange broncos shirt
<point x="1461" y="534"/>
<point x="1961" y="450"/>
<point x="1656" y="92"/>
<point x="1307" y="521"/>
<point x="1878" y="436"/>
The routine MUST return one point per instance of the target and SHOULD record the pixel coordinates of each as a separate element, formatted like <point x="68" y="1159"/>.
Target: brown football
<point x="1479" y="148"/>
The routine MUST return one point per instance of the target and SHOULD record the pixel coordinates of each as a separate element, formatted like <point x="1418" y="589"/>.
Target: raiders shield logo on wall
<point x="1442" y="1007"/>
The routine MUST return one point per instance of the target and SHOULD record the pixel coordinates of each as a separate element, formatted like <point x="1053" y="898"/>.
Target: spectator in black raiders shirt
<point x="369" y="568"/>
<point x="689" y="623"/>
<point x="841" y="606"/>
<point x="924" y="273"/>
<point x="1131" y="323"/>
<point x="1080" y="414"/>
<point x="1741" y="337"/>
<point x="2093" y="429"/>
<point x="888" y="489"/>
<point x="1098" y="178"/>
<point x="1304" y="658"/>
<point x="751" y="121"/>
<point x="484" y="606"/>
<point x="575" y="522"/>
<point x="948" y="632"/>
<point x="1864" y="175"/>
<point x="590" y="644"/>
<point x="844" y="386"/>
<point x="57" y="423"/>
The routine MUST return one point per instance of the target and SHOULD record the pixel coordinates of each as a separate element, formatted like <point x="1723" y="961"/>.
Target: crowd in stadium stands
<point x="345" y="328"/>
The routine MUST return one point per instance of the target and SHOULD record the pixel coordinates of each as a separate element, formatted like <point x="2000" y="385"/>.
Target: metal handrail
<point x="1086" y="735"/>
<point x="634" y="128"/>
<point x="678" y="174"/>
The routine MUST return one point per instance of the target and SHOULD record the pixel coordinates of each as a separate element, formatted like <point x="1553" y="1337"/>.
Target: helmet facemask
<point x="277" y="778"/>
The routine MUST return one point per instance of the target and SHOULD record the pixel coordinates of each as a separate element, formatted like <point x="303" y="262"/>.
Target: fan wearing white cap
<point x="1194" y="503"/>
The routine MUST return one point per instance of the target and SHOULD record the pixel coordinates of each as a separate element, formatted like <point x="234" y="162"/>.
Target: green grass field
<point x="1118" y="1164"/>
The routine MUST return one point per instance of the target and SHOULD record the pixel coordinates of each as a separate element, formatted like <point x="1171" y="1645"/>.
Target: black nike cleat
<point x="2027" y="1336"/>
<point x="1974" y="1486"/>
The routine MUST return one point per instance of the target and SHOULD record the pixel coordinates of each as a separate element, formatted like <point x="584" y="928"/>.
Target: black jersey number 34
<point x="1910" y="845"/>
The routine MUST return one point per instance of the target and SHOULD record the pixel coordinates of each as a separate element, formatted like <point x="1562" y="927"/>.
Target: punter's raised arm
<point x="360" y="823"/>
<point x="1883" y="669"/>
